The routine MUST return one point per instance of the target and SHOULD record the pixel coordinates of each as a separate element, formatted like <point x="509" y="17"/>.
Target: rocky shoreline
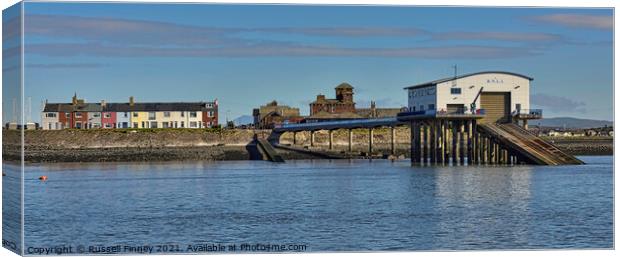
<point x="115" y="146"/>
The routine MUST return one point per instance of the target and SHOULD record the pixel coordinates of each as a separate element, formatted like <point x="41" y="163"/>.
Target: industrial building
<point x="272" y="114"/>
<point x="501" y="96"/>
<point x="343" y="107"/>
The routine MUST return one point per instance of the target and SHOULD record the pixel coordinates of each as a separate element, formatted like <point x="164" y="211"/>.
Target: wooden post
<point x="432" y="141"/>
<point x="476" y="145"/>
<point x="489" y="151"/>
<point x="495" y="152"/>
<point x="350" y="140"/>
<point x="469" y="143"/>
<point x="425" y="143"/>
<point x="455" y="140"/>
<point x="331" y="139"/>
<point x="393" y="140"/>
<point x="440" y="138"/>
<point x="446" y="145"/>
<point x="415" y="142"/>
<point x="462" y="145"/>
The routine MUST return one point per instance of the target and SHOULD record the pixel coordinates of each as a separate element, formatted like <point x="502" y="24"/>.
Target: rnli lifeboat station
<point x="477" y="118"/>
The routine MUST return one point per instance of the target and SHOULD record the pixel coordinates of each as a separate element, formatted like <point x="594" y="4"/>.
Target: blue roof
<point x="435" y="82"/>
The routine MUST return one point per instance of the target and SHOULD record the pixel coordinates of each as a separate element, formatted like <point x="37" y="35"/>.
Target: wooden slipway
<point x="533" y="148"/>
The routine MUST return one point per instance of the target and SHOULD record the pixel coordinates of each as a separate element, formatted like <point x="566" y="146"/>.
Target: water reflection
<point x="338" y="205"/>
<point x="484" y="199"/>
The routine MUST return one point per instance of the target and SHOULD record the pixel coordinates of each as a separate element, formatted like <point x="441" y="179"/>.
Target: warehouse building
<point x="500" y="96"/>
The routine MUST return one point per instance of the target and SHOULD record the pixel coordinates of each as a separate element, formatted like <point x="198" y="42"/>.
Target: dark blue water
<point x="326" y="205"/>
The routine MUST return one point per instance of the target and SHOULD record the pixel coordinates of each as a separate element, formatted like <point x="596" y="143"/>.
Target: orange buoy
<point x="43" y="178"/>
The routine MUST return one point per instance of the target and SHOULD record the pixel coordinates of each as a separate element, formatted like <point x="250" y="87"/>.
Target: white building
<point x="500" y="95"/>
<point x="49" y="120"/>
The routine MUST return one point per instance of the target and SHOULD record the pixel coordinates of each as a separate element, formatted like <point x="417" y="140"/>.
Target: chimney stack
<point x="131" y="102"/>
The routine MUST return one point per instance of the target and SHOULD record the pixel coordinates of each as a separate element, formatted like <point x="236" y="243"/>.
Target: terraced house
<point x="81" y="115"/>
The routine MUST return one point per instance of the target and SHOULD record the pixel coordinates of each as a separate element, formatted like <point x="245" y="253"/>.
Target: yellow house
<point x="139" y="120"/>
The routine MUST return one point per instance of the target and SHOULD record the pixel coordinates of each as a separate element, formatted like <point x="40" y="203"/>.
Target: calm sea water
<point x="327" y="205"/>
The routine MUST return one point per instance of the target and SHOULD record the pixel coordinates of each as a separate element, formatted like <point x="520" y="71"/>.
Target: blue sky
<point x="248" y="55"/>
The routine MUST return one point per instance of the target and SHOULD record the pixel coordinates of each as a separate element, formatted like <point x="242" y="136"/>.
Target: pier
<point x="448" y="139"/>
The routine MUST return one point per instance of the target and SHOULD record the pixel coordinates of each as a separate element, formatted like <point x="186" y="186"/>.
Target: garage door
<point x="496" y="106"/>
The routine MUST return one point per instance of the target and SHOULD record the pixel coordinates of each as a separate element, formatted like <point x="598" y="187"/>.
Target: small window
<point x="50" y="115"/>
<point x="135" y="125"/>
<point x="193" y="115"/>
<point x="431" y="106"/>
<point x="413" y="108"/>
<point x="97" y="115"/>
<point x="193" y="124"/>
<point x="166" y="114"/>
<point x="455" y="90"/>
<point x="135" y="115"/>
<point x="421" y="107"/>
<point x="107" y="115"/>
<point x="125" y="114"/>
<point x="151" y="115"/>
<point x="182" y="114"/>
<point x="78" y="115"/>
<point x="153" y="124"/>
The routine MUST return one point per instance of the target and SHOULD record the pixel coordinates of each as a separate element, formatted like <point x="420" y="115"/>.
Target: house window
<point x="182" y="114"/>
<point x="135" y="115"/>
<point x="153" y="124"/>
<point x="108" y="125"/>
<point x="413" y="108"/>
<point x="68" y="115"/>
<point x="78" y="115"/>
<point x="165" y="125"/>
<point x="135" y="125"/>
<point x="50" y="115"/>
<point x="182" y="124"/>
<point x="193" y="124"/>
<point x="151" y="115"/>
<point x="96" y="114"/>
<point x="210" y="114"/>
<point x="421" y="107"/>
<point x="107" y="115"/>
<point x="193" y="115"/>
<point x="125" y="114"/>
<point x="431" y="106"/>
<point x="78" y="125"/>
<point x="166" y="114"/>
<point x="455" y="90"/>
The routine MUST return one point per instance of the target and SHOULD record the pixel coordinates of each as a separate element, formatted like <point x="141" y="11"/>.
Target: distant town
<point x="133" y="114"/>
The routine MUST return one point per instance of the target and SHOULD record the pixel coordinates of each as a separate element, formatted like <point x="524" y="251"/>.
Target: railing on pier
<point x="528" y="113"/>
<point x="375" y="122"/>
